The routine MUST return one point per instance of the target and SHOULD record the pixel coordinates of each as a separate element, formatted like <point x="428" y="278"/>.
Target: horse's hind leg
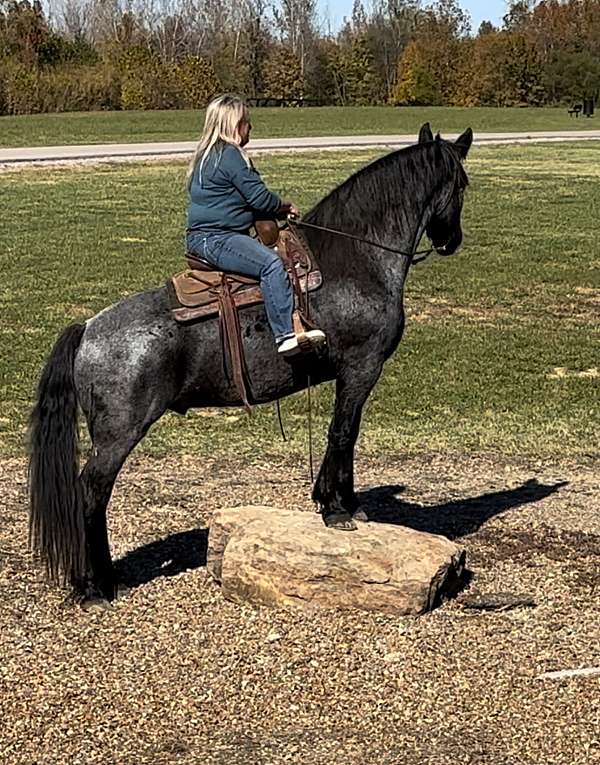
<point x="96" y="484"/>
<point x="114" y="436"/>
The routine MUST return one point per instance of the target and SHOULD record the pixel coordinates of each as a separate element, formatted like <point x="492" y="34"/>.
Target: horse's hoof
<point x="340" y="521"/>
<point x="360" y="516"/>
<point x="95" y="605"/>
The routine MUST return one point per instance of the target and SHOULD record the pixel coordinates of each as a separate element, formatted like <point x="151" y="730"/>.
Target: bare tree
<point x="174" y="27"/>
<point x="73" y="17"/>
<point x="390" y="28"/>
<point x="251" y="45"/>
<point x="296" y="21"/>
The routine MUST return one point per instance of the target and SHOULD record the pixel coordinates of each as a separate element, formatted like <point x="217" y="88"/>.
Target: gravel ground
<point x="175" y="674"/>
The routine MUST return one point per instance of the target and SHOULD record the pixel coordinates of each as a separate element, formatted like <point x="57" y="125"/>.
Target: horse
<point x="131" y="363"/>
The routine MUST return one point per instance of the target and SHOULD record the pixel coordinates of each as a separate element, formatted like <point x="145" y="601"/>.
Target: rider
<point x="227" y="195"/>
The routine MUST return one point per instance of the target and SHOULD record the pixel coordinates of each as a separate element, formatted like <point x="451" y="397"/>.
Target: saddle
<point x="202" y="292"/>
<point x="196" y="292"/>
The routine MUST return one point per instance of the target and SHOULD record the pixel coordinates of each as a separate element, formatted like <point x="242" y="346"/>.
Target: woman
<point x="226" y="196"/>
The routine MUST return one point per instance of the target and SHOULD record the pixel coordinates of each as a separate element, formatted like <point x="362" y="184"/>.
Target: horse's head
<point x="443" y="227"/>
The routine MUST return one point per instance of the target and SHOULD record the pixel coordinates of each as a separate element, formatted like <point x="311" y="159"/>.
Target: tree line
<point x="162" y="54"/>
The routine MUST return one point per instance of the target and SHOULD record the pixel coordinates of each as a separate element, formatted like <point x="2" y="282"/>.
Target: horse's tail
<point x="56" y="521"/>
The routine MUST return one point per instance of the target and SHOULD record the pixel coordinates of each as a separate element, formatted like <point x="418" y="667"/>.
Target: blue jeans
<point x="240" y="254"/>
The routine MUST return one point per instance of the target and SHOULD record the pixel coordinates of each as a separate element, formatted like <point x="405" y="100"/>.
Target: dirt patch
<point x="439" y="309"/>
<point x="576" y="309"/>
<point x="173" y="673"/>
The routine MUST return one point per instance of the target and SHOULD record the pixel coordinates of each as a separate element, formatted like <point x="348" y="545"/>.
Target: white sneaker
<point x="289" y="347"/>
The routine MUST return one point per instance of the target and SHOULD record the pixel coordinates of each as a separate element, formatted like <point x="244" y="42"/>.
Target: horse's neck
<point x="405" y="219"/>
<point x="399" y="226"/>
<point x="398" y="222"/>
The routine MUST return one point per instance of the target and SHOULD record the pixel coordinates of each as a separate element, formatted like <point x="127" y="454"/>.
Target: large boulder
<point x="289" y="558"/>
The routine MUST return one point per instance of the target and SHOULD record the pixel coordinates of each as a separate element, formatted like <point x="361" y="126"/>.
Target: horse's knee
<point x="341" y="439"/>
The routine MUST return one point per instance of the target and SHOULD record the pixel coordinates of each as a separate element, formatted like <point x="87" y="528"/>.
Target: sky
<point x="492" y="10"/>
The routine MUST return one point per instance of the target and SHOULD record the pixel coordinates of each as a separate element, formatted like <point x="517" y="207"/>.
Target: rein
<point x="424" y="254"/>
<point x="296" y="222"/>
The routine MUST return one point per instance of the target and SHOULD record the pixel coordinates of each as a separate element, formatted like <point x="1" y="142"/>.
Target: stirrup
<point x="311" y="338"/>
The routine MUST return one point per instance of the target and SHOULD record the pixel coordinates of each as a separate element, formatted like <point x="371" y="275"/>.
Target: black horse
<point x="131" y="363"/>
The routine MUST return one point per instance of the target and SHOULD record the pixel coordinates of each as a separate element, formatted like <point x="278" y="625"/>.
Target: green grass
<point x="501" y="348"/>
<point x="134" y="127"/>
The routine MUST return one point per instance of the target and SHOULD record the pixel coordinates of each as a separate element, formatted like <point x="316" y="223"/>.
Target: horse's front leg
<point x="334" y="488"/>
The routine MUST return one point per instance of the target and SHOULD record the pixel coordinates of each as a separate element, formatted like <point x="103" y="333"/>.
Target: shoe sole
<point x="291" y="352"/>
<point x="305" y="345"/>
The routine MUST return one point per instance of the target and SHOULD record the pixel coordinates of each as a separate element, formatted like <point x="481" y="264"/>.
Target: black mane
<point x="357" y="203"/>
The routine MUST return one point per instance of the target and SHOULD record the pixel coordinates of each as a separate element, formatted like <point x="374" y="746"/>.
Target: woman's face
<point x="244" y="129"/>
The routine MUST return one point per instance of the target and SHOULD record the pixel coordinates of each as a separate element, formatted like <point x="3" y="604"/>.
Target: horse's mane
<point x="356" y="204"/>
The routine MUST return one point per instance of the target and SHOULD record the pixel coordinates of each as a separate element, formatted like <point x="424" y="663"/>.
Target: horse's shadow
<point x="453" y="519"/>
<point x="165" y="557"/>
<point x="187" y="549"/>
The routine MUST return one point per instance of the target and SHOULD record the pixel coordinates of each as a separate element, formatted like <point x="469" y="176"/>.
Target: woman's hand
<point x="287" y="208"/>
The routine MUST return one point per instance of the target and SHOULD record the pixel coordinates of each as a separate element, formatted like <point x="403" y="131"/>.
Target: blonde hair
<point x="223" y="117"/>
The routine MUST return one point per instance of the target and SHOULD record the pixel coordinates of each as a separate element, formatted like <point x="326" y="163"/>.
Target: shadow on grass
<point x="451" y="519"/>
<point x="187" y="549"/>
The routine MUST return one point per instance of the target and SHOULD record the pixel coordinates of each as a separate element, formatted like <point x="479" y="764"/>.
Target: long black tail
<point x="56" y="522"/>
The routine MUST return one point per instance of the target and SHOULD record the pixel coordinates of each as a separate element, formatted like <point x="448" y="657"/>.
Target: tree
<point x="518" y="15"/>
<point x="24" y="31"/>
<point x="505" y="71"/>
<point x="416" y="84"/>
<point x="322" y="76"/>
<point x="571" y="76"/>
<point x="362" y="83"/>
<point x="296" y="22"/>
<point x="387" y="31"/>
<point x="359" y="17"/>
<point x="197" y="83"/>
<point x="283" y="74"/>
<point x="252" y="43"/>
<point x="74" y="18"/>
<point x="433" y="67"/>
<point x="485" y="28"/>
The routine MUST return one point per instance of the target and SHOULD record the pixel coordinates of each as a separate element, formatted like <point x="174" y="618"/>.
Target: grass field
<point x="128" y="127"/>
<point x="501" y="348"/>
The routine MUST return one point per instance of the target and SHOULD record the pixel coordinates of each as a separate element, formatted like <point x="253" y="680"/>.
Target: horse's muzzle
<point x="450" y="247"/>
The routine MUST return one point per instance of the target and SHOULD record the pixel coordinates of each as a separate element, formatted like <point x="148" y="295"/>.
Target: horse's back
<point x="134" y="354"/>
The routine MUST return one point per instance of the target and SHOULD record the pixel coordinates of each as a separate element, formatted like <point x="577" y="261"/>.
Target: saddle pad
<point x="194" y="294"/>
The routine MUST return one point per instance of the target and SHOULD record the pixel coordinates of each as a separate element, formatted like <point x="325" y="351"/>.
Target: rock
<point x="289" y="558"/>
<point x="274" y="636"/>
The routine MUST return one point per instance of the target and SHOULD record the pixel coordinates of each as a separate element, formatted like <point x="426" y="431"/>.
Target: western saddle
<point x="202" y="292"/>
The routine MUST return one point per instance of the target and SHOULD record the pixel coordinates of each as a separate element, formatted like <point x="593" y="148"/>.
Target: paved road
<point x="142" y="151"/>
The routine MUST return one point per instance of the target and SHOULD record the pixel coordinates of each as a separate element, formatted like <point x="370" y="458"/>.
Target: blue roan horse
<point x="132" y="362"/>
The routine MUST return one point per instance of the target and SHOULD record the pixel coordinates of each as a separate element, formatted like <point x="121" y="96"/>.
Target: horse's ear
<point x="463" y="143"/>
<point x="425" y="134"/>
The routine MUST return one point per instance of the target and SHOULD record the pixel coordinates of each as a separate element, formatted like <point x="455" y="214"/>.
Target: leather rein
<point x="424" y="254"/>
